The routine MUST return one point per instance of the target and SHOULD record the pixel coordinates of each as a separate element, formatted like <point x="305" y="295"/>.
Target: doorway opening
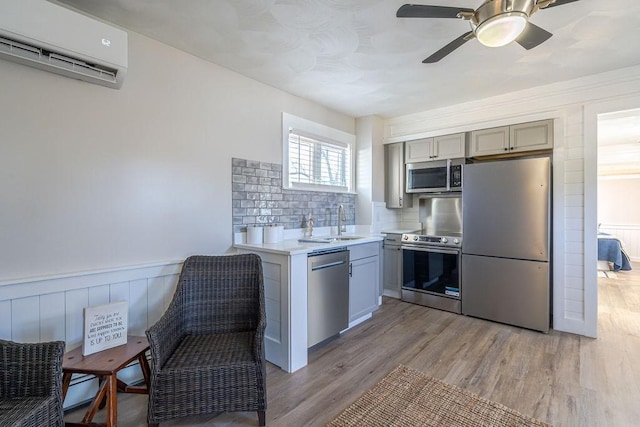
<point x="618" y="219"/>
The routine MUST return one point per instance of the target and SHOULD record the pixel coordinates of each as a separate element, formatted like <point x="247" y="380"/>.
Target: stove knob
<point x="416" y="238"/>
<point x="405" y="237"/>
<point x="456" y="241"/>
<point x="444" y="240"/>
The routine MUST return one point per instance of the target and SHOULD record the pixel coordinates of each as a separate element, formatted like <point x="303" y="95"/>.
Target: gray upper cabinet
<point x="394" y="189"/>
<point x="418" y="150"/>
<point x="489" y="141"/>
<point x="436" y="148"/>
<point x="449" y="146"/>
<point x="512" y="139"/>
<point x="531" y="136"/>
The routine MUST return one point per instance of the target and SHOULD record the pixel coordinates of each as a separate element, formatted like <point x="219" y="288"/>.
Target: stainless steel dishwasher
<point x="327" y="294"/>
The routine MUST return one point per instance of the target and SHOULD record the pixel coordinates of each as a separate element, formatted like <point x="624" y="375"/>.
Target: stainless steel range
<point x="431" y="260"/>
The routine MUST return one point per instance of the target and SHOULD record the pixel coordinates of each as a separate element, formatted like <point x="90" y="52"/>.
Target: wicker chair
<point x="31" y="384"/>
<point x="207" y="349"/>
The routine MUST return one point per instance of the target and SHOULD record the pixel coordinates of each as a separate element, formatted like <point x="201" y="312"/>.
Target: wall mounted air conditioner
<point x="52" y="38"/>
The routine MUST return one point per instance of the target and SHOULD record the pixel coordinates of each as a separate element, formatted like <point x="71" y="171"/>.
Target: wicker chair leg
<point x="262" y="416"/>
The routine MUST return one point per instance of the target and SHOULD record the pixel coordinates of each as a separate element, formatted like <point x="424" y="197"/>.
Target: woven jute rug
<point x="406" y="397"/>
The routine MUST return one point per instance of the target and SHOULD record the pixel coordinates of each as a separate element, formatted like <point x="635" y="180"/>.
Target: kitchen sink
<point x="329" y="239"/>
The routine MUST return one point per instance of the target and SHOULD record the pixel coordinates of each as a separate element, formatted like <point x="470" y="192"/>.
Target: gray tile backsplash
<point x="259" y="199"/>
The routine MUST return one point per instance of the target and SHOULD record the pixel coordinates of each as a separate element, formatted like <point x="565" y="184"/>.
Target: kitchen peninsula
<point x="285" y="273"/>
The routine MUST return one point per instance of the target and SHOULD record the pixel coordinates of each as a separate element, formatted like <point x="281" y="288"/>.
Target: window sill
<point x="318" y="189"/>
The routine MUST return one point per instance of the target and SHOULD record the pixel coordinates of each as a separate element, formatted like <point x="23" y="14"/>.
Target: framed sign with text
<point x="105" y="326"/>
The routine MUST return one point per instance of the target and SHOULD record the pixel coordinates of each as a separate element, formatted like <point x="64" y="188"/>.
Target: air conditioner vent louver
<point x="82" y="67"/>
<point x="24" y="52"/>
<point x="19" y="49"/>
<point x="43" y="35"/>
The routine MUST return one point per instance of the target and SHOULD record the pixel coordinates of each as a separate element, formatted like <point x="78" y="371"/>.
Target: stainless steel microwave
<point x="438" y="176"/>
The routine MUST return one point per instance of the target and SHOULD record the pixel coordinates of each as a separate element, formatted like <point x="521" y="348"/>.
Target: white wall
<point x="96" y="178"/>
<point x="619" y="200"/>
<point x="370" y="167"/>
<point x="574" y="105"/>
<point x="619" y="210"/>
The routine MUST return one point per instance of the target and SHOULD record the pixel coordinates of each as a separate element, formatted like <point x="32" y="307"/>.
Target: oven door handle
<point x="430" y="249"/>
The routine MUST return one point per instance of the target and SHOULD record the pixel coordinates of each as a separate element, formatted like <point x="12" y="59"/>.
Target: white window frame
<point x="321" y="133"/>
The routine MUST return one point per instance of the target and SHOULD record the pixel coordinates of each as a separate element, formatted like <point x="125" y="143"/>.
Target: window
<point x="318" y="162"/>
<point x="316" y="157"/>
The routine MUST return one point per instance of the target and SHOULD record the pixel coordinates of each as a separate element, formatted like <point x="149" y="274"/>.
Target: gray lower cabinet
<point x="364" y="279"/>
<point x="392" y="262"/>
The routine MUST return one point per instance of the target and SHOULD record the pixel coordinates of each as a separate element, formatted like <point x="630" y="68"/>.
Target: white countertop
<point x="295" y="247"/>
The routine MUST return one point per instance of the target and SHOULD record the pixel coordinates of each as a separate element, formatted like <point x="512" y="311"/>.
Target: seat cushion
<point x="206" y="374"/>
<point x="212" y="351"/>
<point x="30" y="411"/>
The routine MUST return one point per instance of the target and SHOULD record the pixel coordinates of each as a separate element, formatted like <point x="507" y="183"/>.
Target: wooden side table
<point x="105" y="365"/>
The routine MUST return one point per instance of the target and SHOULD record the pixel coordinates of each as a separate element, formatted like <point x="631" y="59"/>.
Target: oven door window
<point x="428" y="178"/>
<point x="431" y="271"/>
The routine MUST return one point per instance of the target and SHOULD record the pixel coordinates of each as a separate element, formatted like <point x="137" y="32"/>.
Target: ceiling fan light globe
<point x="501" y="29"/>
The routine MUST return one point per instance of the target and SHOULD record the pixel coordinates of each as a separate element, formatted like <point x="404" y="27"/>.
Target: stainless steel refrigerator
<point x="506" y="217"/>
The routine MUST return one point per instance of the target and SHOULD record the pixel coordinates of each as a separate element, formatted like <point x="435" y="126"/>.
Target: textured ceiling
<point x="356" y="57"/>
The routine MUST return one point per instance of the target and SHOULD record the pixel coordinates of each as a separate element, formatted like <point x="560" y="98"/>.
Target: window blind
<point x="313" y="161"/>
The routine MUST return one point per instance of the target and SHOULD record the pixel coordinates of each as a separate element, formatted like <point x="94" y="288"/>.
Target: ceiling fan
<point x="495" y="23"/>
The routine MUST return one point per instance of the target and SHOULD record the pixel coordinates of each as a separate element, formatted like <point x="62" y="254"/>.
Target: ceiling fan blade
<point x="532" y="36"/>
<point x="560" y="3"/>
<point x="423" y="11"/>
<point x="449" y="48"/>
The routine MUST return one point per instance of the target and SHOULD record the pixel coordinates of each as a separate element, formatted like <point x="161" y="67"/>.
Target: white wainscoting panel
<point x="5" y="319"/>
<point x="51" y="308"/>
<point x="52" y="317"/>
<point x="138" y="306"/>
<point x="25" y="322"/>
<point x="273" y="272"/>
<point x="628" y="234"/>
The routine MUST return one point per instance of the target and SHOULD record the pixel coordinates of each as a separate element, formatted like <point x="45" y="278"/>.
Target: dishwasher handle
<point x="328" y="265"/>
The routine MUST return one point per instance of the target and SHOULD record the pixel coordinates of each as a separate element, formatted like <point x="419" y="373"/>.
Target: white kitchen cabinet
<point x="285" y="338"/>
<point x="512" y="139"/>
<point x="285" y="272"/>
<point x="364" y="279"/>
<point x="436" y="148"/>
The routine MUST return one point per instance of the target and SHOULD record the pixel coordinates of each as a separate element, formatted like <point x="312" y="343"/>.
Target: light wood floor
<point x="560" y="378"/>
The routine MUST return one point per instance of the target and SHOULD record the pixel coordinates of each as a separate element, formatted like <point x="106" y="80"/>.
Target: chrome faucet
<point x="341" y="217"/>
